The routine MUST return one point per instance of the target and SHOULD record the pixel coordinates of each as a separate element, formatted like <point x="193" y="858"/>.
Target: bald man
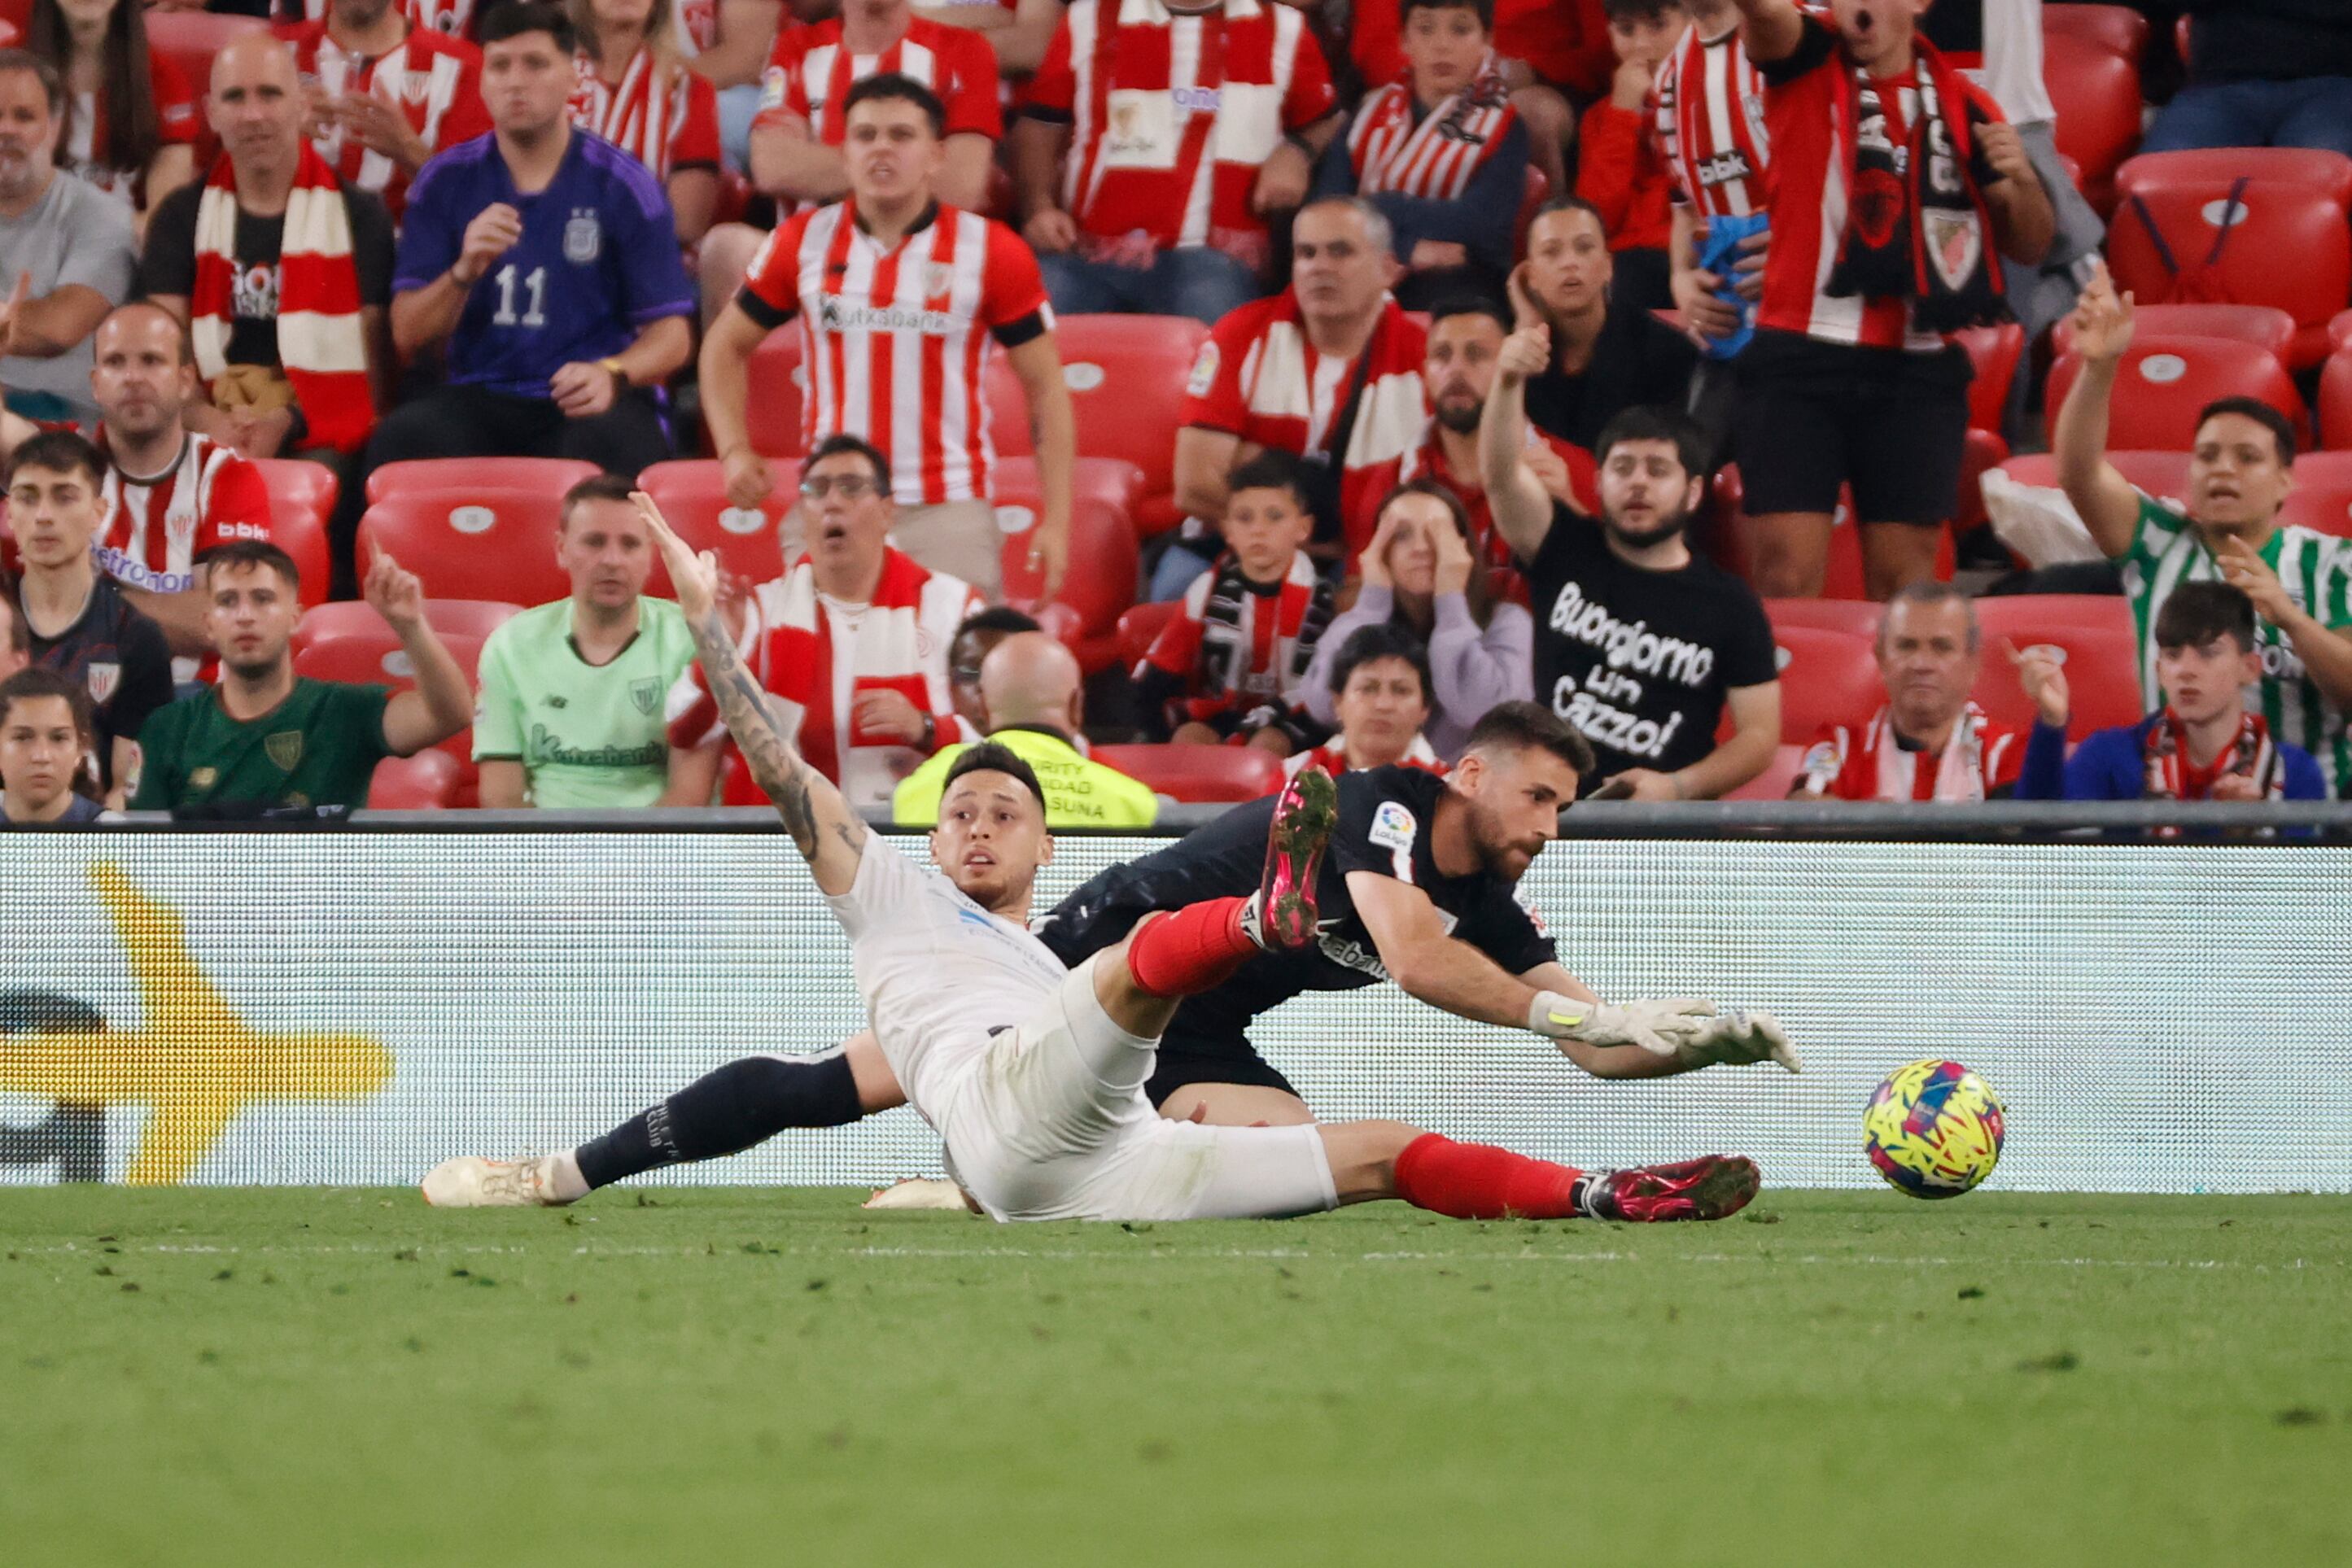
<point x="311" y="389"/>
<point x="1032" y="696"/>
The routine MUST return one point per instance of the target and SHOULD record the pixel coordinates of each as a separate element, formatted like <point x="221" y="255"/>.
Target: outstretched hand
<point x="695" y="578"/>
<point x="2103" y="318"/>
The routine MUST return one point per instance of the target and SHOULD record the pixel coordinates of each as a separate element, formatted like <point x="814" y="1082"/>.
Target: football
<point x="1933" y="1129"/>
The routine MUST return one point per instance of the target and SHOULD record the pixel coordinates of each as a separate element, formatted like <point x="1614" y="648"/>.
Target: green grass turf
<point x="729" y="1375"/>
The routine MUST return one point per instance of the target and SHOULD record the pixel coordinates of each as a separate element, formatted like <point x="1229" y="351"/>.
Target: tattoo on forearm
<point x="789" y="781"/>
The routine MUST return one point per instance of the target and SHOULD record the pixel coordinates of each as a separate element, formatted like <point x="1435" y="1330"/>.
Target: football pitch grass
<point x="736" y="1375"/>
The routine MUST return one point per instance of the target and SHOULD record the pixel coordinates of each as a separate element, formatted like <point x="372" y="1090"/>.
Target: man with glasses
<point x="851" y="603"/>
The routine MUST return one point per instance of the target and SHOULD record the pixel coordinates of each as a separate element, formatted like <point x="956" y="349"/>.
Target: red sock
<point x="1189" y="950"/>
<point x="1477" y="1181"/>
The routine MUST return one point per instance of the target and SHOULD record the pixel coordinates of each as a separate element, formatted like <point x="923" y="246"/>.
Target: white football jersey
<point x="939" y="974"/>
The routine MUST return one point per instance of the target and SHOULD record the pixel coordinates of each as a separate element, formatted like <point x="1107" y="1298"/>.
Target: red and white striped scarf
<point x="320" y="341"/>
<point x="641" y="115"/>
<point x="1873" y="763"/>
<point x="2251" y="755"/>
<point x="1439" y="157"/>
<point x="1332" y="757"/>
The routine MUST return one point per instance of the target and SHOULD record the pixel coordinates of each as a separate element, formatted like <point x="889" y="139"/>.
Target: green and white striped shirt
<point x="2316" y="571"/>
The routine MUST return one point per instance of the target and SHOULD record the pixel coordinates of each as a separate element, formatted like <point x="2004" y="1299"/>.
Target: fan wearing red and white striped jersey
<point x="1928" y="742"/>
<point x="1707" y="120"/>
<point x="169" y="493"/>
<point x="803" y="114"/>
<point x="900" y="302"/>
<point x="1897" y="188"/>
<point x="635" y="91"/>
<point x="1185" y="126"/>
<point x="1328" y="371"/>
<point x="853" y="640"/>
<point x="1232" y="665"/>
<point x="390" y="93"/>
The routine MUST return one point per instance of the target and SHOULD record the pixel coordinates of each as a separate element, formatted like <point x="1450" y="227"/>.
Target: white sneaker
<point x="920" y="1192"/>
<point x="471" y="1182"/>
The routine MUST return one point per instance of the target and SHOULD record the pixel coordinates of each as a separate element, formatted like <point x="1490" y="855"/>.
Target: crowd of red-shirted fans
<point x="1893" y="400"/>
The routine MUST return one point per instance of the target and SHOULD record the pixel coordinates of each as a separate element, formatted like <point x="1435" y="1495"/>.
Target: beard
<point x="257" y="671"/>
<point x="1461" y="416"/>
<point x="1667" y="528"/>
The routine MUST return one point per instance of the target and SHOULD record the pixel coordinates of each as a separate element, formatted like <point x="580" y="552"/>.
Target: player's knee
<point x="1363" y="1157"/>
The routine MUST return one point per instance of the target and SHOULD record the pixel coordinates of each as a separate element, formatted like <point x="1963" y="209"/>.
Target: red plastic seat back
<point x="2102" y="663"/>
<point x="189" y="39"/>
<point x="2164" y="382"/>
<point x="1140" y="628"/>
<point x="432" y="781"/>
<point x="2118" y="30"/>
<point x="1127" y="376"/>
<point x="1772" y="784"/>
<point x="497" y="545"/>
<point x="1852" y="617"/>
<point x="2099" y="127"/>
<point x="1826" y="677"/>
<point x="772" y="416"/>
<point x="353" y="619"/>
<point x="1994" y="352"/>
<point x="693" y="497"/>
<point x="2266" y="326"/>
<point x="301" y="498"/>
<point x="2336" y="400"/>
<point x="461" y="476"/>
<point x="1197" y="774"/>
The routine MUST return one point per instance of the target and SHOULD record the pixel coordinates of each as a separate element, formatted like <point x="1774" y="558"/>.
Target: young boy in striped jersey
<point x="2240" y="472"/>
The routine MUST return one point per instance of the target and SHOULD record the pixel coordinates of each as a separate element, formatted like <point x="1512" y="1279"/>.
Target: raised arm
<point x="1769" y="29"/>
<point x="2103" y="498"/>
<point x="1521" y="506"/>
<point x="831" y="837"/>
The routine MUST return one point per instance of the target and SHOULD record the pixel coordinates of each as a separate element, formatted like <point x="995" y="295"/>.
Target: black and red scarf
<point x="1916" y="224"/>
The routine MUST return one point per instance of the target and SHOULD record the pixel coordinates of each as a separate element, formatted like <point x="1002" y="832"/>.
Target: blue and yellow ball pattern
<point x="1933" y="1129"/>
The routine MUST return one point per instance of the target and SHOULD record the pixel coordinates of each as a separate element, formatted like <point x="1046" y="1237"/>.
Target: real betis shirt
<point x="2316" y="571"/>
<point x="318" y="747"/>
<point x="587" y="735"/>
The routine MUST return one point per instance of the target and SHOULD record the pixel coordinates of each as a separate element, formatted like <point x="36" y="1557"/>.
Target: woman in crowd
<point x="131" y="116"/>
<point x="636" y="92"/>
<point x="1419" y="574"/>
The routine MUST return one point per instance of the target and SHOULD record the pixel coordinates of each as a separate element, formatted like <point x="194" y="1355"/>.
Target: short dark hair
<point x="1655" y="422"/>
<point x="998" y="618"/>
<point x="1572" y="203"/>
<point x="514" y="18"/>
<point x="2282" y="428"/>
<point x="1470" y="304"/>
<point x="1486" y="9"/>
<point x="595" y="488"/>
<point x="993" y="757"/>
<point x="59" y="452"/>
<point x="52" y="83"/>
<point x="896" y="87"/>
<point x="1524" y="727"/>
<point x="252" y="552"/>
<point x="1926" y="593"/>
<point x="2196" y="612"/>
<point x="35" y="681"/>
<point x="1639" y="10"/>
<point x="1381" y="640"/>
<point x="842" y="442"/>
<point x="1271" y="469"/>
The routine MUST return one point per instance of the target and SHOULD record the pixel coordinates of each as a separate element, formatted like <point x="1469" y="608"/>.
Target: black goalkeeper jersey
<point x="1384" y="827"/>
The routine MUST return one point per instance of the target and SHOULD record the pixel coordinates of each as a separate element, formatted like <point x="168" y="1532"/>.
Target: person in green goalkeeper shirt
<point x="570" y="706"/>
<point x="1030" y="691"/>
<point x="268" y="737"/>
<point x="2240" y="471"/>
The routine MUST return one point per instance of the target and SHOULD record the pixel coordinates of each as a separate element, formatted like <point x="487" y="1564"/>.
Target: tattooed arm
<point x="831" y="836"/>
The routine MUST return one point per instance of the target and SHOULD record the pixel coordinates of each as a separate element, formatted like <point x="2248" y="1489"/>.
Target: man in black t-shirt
<point x="79" y="622"/>
<point x="1640" y="643"/>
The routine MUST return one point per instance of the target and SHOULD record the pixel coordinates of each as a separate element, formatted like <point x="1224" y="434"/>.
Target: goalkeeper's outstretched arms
<point x="831" y="836"/>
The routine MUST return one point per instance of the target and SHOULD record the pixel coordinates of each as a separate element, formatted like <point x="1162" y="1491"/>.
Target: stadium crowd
<point x="1178" y="392"/>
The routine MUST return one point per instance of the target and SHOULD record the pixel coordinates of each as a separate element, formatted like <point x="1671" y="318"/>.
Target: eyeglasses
<point x="848" y="486"/>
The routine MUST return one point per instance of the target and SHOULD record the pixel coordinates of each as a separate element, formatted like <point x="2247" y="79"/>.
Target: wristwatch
<point x="619" y="372"/>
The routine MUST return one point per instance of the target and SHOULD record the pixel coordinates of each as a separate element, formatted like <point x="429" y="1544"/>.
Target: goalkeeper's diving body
<point x="1034" y="1073"/>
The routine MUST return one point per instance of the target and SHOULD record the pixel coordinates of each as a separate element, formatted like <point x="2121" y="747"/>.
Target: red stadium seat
<point x="1994" y="352"/>
<point x="1826" y="677"/>
<point x="2264" y="325"/>
<point x="2320" y="499"/>
<point x="2286" y="243"/>
<point x="1127" y="376"/>
<point x="496" y="545"/>
<point x="2339" y="331"/>
<point x="2336" y="400"/>
<point x="354" y="619"/>
<point x="1853" y="616"/>
<point x="772" y="416"/>
<point x="432" y="781"/>
<point x="189" y="39"/>
<point x="2101" y="656"/>
<point x="1140" y="628"/>
<point x="693" y="497"/>
<point x="1101" y="581"/>
<point x="2099" y="123"/>
<point x="1197" y="774"/>
<point x="1534" y="191"/>
<point x="1772" y="784"/>
<point x="301" y="498"/>
<point x="2116" y="28"/>
<point x="2164" y="381"/>
<point x="549" y="476"/>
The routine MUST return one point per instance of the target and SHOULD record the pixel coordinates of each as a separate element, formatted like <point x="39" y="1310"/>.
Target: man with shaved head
<point x="281" y="270"/>
<point x="1031" y="692"/>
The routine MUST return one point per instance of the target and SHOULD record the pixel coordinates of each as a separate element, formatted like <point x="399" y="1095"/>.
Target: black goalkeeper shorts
<point x="1186" y="1059"/>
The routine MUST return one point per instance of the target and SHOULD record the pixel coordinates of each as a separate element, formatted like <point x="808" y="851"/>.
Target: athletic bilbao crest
<point x="583" y="236"/>
<point x="284" y="749"/>
<point x="1956" y="244"/>
<point x="939" y="277"/>
<point x="103" y="679"/>
<point x="1877" y="203"/>
<point x="647" y="695"/>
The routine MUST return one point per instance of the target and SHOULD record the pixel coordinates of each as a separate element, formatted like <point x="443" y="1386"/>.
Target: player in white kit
<point x="1033" y="1075"/>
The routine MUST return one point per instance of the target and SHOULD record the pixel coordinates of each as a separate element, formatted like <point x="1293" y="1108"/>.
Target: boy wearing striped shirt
<point x="2240" y="471"/>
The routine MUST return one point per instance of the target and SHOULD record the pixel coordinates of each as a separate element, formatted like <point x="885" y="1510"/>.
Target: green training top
<point x="318" y="747"/>
<point x="587" y="735"/>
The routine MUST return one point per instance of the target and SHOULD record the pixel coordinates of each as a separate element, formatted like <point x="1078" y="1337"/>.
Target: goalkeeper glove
<point x="1659" y="1028"/>
<point x="1738" y="1037"/>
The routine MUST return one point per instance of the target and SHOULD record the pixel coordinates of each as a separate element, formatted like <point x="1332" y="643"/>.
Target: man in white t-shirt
<point x="1034" y="1076"/>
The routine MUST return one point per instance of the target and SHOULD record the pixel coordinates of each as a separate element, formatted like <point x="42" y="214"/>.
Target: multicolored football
<point x="1933" y="1129"/>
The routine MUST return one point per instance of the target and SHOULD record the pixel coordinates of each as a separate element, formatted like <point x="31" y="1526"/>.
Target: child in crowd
<point x="1619" y="169"/>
